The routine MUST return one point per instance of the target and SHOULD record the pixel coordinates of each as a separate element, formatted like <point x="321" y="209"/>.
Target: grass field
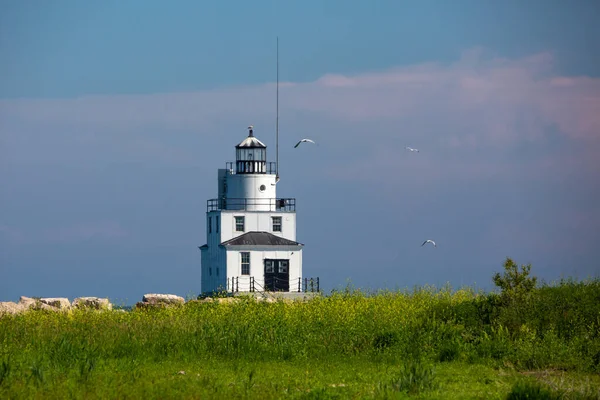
<point x="424" y="343"/>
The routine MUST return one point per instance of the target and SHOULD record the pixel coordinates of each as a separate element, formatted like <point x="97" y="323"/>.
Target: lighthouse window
<point x="217" y="224"/>
<point x="276" y="224"/>
<point x="269" y="268"/>
<point x="239" y="224"/>
<point x="283" y="266"/>
<point x="209" y="224"/>
<point x="245" y="262"/>
<point x="262" y="188"/>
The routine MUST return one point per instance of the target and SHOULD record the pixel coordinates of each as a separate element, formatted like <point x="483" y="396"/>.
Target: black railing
<point x="270" y="168"/>
<point x="311" y="284"/>
<point x="235" y="284"/>
<point x="249" y="284"/>
<point x="273" y="204"/>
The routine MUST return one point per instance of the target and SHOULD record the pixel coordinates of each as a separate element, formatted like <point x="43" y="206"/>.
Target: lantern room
<point x="251" y="155"/>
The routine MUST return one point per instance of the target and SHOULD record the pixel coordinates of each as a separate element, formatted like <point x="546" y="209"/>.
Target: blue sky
<point x="115" y="116"/>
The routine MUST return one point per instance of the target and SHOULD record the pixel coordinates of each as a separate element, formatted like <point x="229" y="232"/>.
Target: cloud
<point x="511" y="117"/>
<point x="501" y="98"/>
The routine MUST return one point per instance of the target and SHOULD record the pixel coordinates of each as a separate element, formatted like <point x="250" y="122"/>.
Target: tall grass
<point x="556" y="326"/>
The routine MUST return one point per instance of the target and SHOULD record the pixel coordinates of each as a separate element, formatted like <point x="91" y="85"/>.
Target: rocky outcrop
<point x="30" y="303"/>
<point x="61" y="303"/>
<point x="26" y="304"/>
<point x="168" y="299"/>
<point x="53" y="304"/>
<point x="9" y="307"/>
<point x="153" y="300"/>
<point x="93" y="303"/>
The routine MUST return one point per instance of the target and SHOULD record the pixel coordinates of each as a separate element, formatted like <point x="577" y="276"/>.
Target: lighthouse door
<point x="277" y="275"/>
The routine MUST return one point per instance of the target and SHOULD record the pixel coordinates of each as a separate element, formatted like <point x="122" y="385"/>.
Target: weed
<point x="414" y="377"/>
<point x="526" y="390"/>
<point x="4" y="371"/>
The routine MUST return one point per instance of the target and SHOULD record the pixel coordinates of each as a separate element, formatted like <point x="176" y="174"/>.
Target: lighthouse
<point x="250" y="232"/>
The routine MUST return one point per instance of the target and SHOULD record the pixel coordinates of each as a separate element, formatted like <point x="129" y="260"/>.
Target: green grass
<point x="426" y="343"/>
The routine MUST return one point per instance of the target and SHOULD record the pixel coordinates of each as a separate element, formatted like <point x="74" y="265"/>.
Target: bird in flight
<point x="304" y="141"/>
<point x="429" y="241"/>
<point x="411" y="149"/>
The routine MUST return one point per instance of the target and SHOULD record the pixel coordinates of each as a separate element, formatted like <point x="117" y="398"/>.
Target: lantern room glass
<point x="251" y="160"/>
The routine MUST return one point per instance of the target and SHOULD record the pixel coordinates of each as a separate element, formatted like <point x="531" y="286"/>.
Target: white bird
<point x="276" y="182"/>
<point x="428" y="241"/>
<point x="411" y="149"/>
<point x="304" y="141"/>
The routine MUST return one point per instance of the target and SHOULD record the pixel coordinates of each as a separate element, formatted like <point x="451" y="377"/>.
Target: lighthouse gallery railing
<point x="274" y="204"/>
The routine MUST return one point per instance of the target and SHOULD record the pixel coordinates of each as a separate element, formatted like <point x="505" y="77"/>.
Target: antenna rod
<point x="277" y="120"/>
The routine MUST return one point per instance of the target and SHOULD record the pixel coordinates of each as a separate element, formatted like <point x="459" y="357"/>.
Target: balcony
<point x="253" y="204"/>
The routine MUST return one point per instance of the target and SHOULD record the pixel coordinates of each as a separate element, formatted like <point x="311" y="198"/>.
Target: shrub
<point x="526" y="390"/>
<point x="414" y="377"/>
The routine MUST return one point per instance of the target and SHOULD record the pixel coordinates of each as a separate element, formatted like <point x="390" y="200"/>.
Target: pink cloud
<point x="480" y="102"/>
<point x="486" y="93"/>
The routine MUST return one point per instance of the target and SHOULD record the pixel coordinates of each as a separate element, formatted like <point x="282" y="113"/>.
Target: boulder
<point x="62" y="303"/>
<point x="30" y="303"/>
<point x="164" y="299"/>
<point x="9" y="307"/>
<point x="140" y="305"/>
<point x="225" y="300"/>
<point x="26" y="304"/>
<point x="95" y="303"/>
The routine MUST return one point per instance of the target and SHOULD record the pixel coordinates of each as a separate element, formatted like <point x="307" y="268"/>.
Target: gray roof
<point x="260" y="239"/>
<point x="251" y="142"/>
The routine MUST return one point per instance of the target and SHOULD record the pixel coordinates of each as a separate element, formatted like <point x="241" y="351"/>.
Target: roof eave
<point x="268" y="247"/>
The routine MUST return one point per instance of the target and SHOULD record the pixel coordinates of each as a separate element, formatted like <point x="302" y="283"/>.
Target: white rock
<point x="62" y="303"/>
<point x="27" y="302"/>
<point x="152" y="298"/>
<point x="96" y="303"/>
<point x="9" y="307"/>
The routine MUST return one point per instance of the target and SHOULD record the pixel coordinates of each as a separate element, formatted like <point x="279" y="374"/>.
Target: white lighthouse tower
<point x="251" y="234"/>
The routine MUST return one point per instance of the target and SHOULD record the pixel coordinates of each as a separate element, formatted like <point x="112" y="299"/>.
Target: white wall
<point x="214" y="257"/>
<point x="257" y="266"/>
<point x="258" y="222"/>
<point x="247" y="186"/>
<point x="256" y="218"/>
<point x="216" y="279"/>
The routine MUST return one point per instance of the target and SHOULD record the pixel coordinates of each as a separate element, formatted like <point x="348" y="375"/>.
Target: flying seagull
<point x="304" y="141"/>
<point x="411" y="149"/>
<point x="428" y="241"/>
